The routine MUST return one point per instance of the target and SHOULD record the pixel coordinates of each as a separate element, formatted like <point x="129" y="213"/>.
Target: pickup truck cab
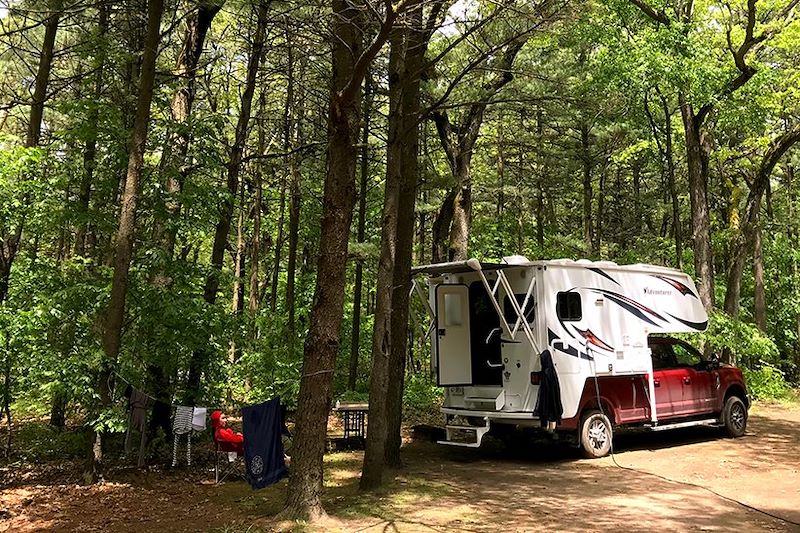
<point x="690" y="390"/>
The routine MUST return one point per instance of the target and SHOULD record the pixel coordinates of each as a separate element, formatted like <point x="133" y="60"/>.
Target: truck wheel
<point x="596" y="435"/>
<point x="734" y="417"/>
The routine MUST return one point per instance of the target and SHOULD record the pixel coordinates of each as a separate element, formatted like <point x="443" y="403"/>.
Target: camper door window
<point x="568" y="306"/>
<point x="453" y="310"/>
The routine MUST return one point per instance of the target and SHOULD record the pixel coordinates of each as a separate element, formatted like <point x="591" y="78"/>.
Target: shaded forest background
<point x="211" y="199"/>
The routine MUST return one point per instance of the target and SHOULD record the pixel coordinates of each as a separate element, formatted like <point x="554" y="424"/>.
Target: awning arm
<point x="521" y="319"/>
<point x="493" y="299"/>
<point x="507" y="286"/>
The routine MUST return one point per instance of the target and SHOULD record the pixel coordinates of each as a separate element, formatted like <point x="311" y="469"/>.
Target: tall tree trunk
<point x="441" y="228"/>
<point x="746" y="237"/>
<point x="409" y="160"/>
<point x="759" y="295"/>
<point x="391" y="321"/>
<point x="462" y="211"/>
<point x="126" y="230"/>
<point x="697" y="163"/>
<point x="295" y="198"/>
<point x="454" y="217"/>
<point x="350" y="65"/>
<point x="254" y="293"/>
<point x="173" y="166"/>
<point x="237" y="298"/>
<point x="374" y="454"/>
<point x="199" y="357"/>
<point x="673" y="188"/>
<point x="9" y="244"/>
<point x="586" y="160"/>
<point x="43" y="77"/>
<point x="90" y="146"/>
<point x="355" y="337"/>
<point x="276" y="260"/>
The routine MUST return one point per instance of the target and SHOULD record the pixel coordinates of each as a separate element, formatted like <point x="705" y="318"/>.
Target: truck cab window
<point x="568" y="306"/>
<point x="686" y="355"/>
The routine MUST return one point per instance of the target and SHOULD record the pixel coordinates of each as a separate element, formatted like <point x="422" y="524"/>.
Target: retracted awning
<point x="457" y="267"/>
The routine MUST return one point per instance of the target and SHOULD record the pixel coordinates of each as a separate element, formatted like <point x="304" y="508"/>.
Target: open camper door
<point x="453" y="335"/>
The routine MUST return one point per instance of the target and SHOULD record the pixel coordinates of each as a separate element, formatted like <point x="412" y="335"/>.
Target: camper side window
<point x="568" y="306"/>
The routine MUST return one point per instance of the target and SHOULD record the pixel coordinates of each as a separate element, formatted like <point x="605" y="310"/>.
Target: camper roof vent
<point x="516" y="260"/>
<point x="605" y="264"/>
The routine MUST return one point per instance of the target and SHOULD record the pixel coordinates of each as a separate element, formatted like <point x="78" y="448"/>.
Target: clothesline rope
<point x="155" y="399"/>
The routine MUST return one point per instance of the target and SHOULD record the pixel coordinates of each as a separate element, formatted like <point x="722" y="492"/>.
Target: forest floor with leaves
<point x="658" y="481"/>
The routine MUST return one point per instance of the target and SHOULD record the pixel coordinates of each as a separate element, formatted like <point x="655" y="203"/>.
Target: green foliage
<point x="766" y="382"/>
<point x="422" y="399"/>
<point x="748" y="346"/>
<point x="38" y="442"/>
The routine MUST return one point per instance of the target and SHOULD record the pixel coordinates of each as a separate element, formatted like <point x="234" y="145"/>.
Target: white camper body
<point x="491" y="322"/>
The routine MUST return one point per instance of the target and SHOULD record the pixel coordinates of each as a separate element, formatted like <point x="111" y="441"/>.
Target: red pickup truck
<point x="690" y="390"/>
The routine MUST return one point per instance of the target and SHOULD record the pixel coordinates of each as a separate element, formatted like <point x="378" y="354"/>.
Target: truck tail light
<point x="536" y="378"/>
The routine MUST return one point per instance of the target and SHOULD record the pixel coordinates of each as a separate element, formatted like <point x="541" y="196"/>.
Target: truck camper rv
<point x="579" y="347"/>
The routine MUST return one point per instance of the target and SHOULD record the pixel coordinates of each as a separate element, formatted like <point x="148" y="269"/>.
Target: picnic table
<point x="354" y="416"/>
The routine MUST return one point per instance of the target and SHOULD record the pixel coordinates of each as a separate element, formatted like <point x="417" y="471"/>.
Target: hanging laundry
<point x="548" y="404"/>
<point x="137" y="414"/>
<point x="263" y="449"/>
<point x="199" y="418"/>
<point x="182" y="425"/>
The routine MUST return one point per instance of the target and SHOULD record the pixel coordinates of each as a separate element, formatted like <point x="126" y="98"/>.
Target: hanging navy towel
<point x="263" y="449"/>
<point x="548" y="405"/>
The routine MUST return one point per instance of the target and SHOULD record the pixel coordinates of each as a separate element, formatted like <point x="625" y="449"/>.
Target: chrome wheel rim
<point x="737" y="417"/>
<point x="598" y="434"/>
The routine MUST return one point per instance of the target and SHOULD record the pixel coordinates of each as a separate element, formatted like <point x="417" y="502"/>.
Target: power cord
<point x="686" y="483"/>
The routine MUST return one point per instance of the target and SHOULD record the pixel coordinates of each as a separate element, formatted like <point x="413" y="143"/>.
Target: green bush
<point x="749" y="347"/>
<point x="766" y="382"/>
<point x="421" y="399"/>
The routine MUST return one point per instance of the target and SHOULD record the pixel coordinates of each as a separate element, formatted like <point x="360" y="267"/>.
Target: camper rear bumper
<point x="518" y="417"/>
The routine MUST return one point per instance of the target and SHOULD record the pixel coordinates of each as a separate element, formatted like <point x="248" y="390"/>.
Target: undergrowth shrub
<point x="766" y="382"/>
<point x="422" y="399"/>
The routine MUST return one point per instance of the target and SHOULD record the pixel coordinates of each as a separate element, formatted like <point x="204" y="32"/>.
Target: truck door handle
<point x="656" y="383"/>
<point x="687" y="380"/>
<point x="441" y="332"/>
<point x="495" y="365"/>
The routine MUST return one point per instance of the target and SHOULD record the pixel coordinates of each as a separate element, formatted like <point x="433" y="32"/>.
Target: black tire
<point x="596" y="434"/>
<point x="734" y="417"/>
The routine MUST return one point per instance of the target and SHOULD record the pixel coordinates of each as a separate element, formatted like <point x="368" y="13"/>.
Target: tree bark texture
<point x="322" y="342"/>
<point x="350" y="66"/>
<point x="372" y="471"/>
<point x="408" y="46"/>
<point x="90" y="146"/>
<point x="759" y="290"/>
<point x="292" y="140"/>
<point x="697" y="165"/>
<point x="744" y="241"/>
<point x="126" y="230"/>
<point x="355" y="337"/>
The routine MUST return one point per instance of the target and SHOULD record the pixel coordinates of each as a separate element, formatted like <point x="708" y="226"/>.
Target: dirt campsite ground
<point x="660" y="481"/>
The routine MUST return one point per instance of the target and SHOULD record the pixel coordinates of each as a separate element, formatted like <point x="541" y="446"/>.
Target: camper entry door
<point x="453" y="347"/>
